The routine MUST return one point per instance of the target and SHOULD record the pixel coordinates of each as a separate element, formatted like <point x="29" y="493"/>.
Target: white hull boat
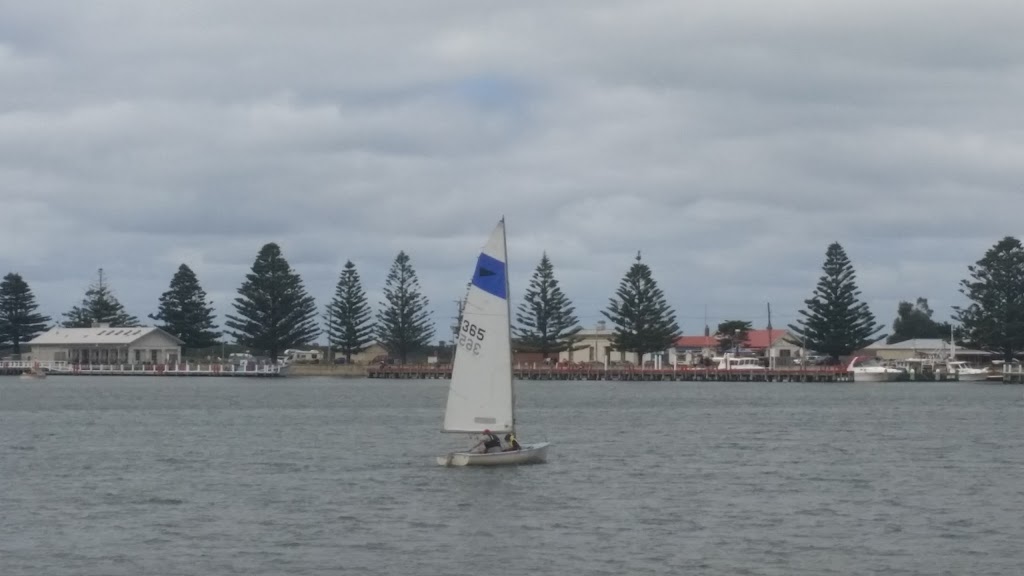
<point x="965" y="373"/>
<point x="740" y="363"/>
<point x="874" y="377"/>
<point x="481" y="394"/>
<point x="868" y="370"/>
<point x="528" y="454"/>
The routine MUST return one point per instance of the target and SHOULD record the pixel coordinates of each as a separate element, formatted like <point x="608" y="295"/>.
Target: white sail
<point x="480" y="396"/>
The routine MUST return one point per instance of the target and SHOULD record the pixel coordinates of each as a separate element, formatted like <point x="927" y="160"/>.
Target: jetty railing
<point x="627" y="373"/>
<point x="1013" y="372"/>
<point x="170" y="369"/>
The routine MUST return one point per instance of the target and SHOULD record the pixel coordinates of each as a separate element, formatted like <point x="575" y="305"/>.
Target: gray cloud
<point x="730" y="144"/>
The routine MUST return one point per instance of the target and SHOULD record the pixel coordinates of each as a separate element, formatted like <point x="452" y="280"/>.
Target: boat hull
<point x="875" y="376"/>
<point x="972" y="377"/>
<point x="528" y="454"/>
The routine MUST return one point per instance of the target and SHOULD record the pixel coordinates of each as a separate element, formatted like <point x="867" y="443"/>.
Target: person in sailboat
<point x="513" y="444"/>
<point x="489" y="443"/>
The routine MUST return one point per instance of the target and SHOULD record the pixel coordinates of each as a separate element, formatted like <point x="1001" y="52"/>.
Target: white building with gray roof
<point x="106" y="345"/>
<point x="922" y="348"/>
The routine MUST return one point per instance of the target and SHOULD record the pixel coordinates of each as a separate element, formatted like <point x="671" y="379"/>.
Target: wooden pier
<point x="180" y="369"/>
<point x="1013" y="373"/>
<point x="631" y="374"/>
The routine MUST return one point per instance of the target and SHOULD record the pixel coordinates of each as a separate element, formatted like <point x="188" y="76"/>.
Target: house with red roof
<point x="690" y="349"/>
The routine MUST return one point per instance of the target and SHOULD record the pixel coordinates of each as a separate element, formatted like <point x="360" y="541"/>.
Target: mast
<point x="508" y="307"/>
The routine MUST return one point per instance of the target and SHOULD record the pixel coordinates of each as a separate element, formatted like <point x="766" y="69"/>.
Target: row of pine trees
<point x="273" y="311"/>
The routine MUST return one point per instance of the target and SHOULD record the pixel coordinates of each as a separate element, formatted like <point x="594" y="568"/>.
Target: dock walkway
<point x="822" y="374"/>
<point x="180" y="369"/>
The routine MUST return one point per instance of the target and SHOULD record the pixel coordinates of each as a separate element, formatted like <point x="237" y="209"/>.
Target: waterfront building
<point x="761" y="343"/>
<point x="935" y="348"/>
<point x="106" y="345"/>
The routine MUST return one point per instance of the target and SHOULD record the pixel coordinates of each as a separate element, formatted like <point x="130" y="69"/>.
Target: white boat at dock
<point x="965" y="372"/>
<point x="730" y="362"/>
<point x="866" y="369"/>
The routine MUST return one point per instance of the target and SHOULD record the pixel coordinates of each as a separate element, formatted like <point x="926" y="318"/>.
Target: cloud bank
<point x="730" y="143"/>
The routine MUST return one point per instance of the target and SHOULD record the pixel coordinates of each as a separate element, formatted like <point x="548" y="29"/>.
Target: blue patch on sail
<point x="490" y="276"/>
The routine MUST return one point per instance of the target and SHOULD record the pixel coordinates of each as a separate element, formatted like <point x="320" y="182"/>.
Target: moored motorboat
<point x="870" y="370"/>
<point x="965" y="372"/>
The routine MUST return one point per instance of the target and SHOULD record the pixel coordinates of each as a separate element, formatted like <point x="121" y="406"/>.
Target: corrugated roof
<point x="105" y="336"/>
<point x="924" y="345"/>
<point x="755" y="339"/>
<point x="912" y="344"/>
<point x="696" y="342"/>
<point x="759" y="338"/>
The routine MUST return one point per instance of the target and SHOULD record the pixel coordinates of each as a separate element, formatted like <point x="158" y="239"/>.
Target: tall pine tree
<point x="644" y="322"/>
<point x="349" y="325"/>
<point x="403" y="320"/>
<point x="19" y="321"/>
<point x="99" y="306"/>
<point x="274" y="312"/>
<point x="546" y="317"/>
<point x="994" y="320"/>
<point x="186" y="313"/>
<point x="836" y="322"/>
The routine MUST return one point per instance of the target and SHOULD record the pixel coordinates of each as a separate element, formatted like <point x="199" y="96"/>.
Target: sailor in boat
<point x="489" y="443"/>
<point x="513" y="444"/>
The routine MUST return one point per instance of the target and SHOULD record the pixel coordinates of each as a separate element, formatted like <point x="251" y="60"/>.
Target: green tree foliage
<point x="644" y="322"/>
<point x="546" y="317"/>
<point x="19" y="321"/>
<point x="994" y="320"/>
<point x="732" y="334"/>
<point x="186" y="313"/>
<point x="403" y="320"/>
<point x="349" y="325"/>
<point x="836" y="322"/>
<point x="274" y="312"/>
<point x="915" y="321"/>
<point x="99" y="306"/>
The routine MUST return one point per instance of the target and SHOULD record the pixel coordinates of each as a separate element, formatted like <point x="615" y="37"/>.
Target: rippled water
<point x="315" y="476"/>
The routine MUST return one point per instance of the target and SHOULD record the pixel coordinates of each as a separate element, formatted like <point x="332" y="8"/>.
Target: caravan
<point x="292" y="356"/>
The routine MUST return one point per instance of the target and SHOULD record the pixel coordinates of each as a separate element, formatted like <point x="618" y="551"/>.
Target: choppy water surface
<point x="315" y="476"/>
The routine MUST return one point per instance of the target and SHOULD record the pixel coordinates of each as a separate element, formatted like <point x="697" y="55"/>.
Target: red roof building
<point x="696" y="342"/>
<point x="758" y="339"/>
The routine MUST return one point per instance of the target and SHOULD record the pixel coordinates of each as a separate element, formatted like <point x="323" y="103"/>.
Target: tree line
<point x="273" y="311"/>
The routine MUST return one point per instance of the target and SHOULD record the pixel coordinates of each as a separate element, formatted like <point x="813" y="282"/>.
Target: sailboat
<point x="481" y="395"/>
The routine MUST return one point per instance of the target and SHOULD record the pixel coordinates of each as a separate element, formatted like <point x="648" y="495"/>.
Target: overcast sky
<point x="731" y="142"/>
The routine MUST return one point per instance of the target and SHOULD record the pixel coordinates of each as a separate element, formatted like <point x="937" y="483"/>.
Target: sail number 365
<point x="471" y="337"/>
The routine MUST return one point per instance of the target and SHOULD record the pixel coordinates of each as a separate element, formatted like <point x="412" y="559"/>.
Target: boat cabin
<point x="739" y="363"/>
